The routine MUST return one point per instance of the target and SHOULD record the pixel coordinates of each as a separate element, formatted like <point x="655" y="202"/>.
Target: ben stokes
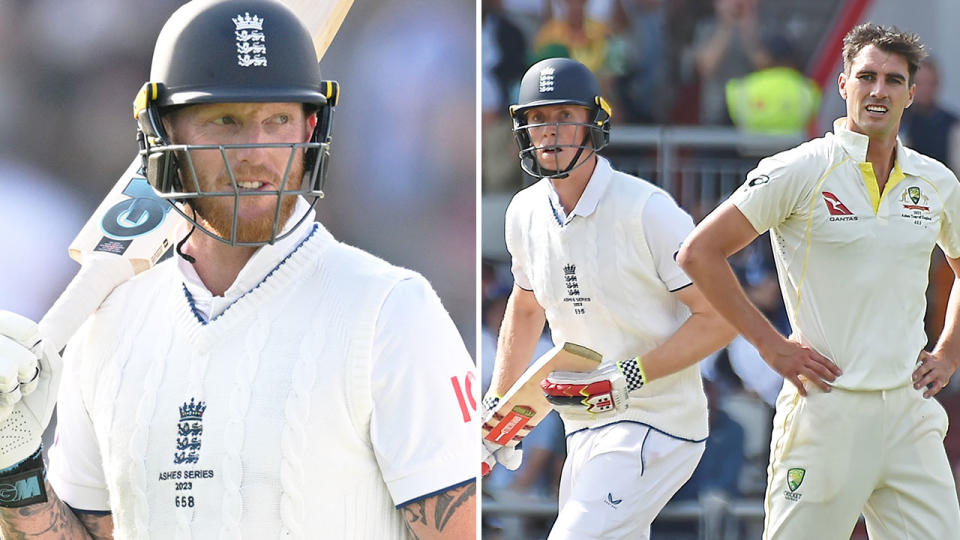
<point x="853" y="219"/>
<point x="269" y="381"/>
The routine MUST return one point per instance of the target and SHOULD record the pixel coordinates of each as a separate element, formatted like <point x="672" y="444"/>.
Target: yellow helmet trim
<point x="602" y="103"/>
<point x="147" y="93"/>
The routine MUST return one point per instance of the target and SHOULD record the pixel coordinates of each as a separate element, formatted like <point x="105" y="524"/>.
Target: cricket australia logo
<point x="794" y="479"/>
<point x="916" y="206"/>
<point x="913" y="195"/>
<point x="189" y="430"/>
<point x="573" y="290"/>
<point x="251" y="43"/>
<point x="546" y="80"/>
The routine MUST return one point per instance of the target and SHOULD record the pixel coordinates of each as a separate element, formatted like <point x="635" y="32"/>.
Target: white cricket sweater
<point x="312" y="424"/>
<point x="595" y="276"/>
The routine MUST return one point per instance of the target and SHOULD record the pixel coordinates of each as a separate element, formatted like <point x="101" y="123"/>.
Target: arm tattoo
<point x="449" y="501"/>
<point x="52" y="520"/>
<point x="434" y="513"/>
<point x="416" y="512"/>
<point x="99" y="527"/>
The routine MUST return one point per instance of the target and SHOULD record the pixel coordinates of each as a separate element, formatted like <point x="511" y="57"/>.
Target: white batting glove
<point x="29" y="377"/>
<point x="492" y="453"/>
<point x="604" y="390"/>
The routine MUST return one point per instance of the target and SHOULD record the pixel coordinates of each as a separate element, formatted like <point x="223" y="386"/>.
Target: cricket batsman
<point x="268" y="381"/>
<point x="593" y="254"/>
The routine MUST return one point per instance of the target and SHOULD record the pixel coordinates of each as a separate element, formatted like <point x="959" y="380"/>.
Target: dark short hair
<point x="888" y="39"/>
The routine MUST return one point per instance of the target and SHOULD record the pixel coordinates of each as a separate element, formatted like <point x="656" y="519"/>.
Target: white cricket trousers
<point x="834" y="455"/>
<point x="617" y="478"/>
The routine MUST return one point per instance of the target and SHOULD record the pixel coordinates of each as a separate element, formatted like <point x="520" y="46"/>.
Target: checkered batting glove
<point x="604" y="390"/>
<point x="490" y="452"/>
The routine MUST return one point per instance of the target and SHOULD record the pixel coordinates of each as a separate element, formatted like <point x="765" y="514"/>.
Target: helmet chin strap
<point x="556" y="173"/>
<point x="190" y="259"/>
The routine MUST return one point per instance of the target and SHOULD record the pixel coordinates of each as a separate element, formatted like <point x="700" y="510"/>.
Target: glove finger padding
<point x="29" y="385"/>
<point x="19" y="329"/>
<point x="490" y="452"/>
<point x="43" y="399"/>
<point x="17" y="364"/>
<point x="19" y="355"/>
<point x="508" y="456"/>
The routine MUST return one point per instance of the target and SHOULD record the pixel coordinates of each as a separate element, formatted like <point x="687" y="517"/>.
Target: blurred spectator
<point x="538" y="477"/>
<point x="927" y="127"/>
<point x="586" y="39"/>
<point x="643" y="96"/>
<point x="777" y="98"/>
<point x="602" y="47"/>
<point x="931" y="129"/>
<point x="757" y="271"/>
<point x="504" y="52"/>
<point x="715" y="481"/>
<point x="503" y="61"/>
<point x="725" y="46"/>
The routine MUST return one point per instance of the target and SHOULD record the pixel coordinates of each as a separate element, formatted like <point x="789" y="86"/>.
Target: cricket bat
<point x="322" y="17"/>
<point x="129" y="232"/>
<point x="524" y="406"/>
<point x="132" y="228"/>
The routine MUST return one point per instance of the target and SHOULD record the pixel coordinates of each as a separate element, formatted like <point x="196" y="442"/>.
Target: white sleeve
<point x="76" y="469"/>
<point x="949" y="238"/>
<point x="424" y="388"/>
<point x="774" y="191"/>
<point x="665" y="226"/>
<point x="518" y="256"/>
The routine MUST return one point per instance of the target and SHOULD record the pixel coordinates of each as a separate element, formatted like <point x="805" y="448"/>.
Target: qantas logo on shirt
<point x="838" y="210"/>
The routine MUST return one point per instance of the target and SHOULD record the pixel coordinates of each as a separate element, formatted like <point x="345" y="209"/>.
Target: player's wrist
<point x="632" y="370"/>
<point x="22" y="483"/>
<point x="489" y="404"/>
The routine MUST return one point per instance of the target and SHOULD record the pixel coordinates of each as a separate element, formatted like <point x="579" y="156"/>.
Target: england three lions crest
<point x="189" y="430"/>
<point x="251" y="42"/>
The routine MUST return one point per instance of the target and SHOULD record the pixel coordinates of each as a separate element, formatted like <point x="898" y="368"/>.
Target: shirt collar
<point x="591" y="194"/>
<point x="855" y="145"/>
<point x="264" y="259"/>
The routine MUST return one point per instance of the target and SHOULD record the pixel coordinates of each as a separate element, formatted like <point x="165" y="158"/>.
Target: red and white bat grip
<point x="99" y="275"/>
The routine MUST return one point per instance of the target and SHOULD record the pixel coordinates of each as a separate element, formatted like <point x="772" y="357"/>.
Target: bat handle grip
<point x="98" y="276"/>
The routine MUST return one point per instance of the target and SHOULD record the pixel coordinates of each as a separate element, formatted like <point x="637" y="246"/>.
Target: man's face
<point x="255" y="169"/>
<point x="556" y="142"/>
<point x="876" y="91"/>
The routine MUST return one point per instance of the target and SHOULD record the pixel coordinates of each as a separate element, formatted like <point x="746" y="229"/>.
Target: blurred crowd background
<point x="701" y="90"/>
<point x="402" y="175"/>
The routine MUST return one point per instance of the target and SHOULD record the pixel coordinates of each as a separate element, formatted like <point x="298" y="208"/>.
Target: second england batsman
<point x="593" y="254"/>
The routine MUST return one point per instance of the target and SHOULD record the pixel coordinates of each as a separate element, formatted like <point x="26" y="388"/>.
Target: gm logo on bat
<point x="141" y="214"/>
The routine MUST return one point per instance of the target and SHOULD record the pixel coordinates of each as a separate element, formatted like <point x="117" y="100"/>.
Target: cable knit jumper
<point x="256" y="424"/>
